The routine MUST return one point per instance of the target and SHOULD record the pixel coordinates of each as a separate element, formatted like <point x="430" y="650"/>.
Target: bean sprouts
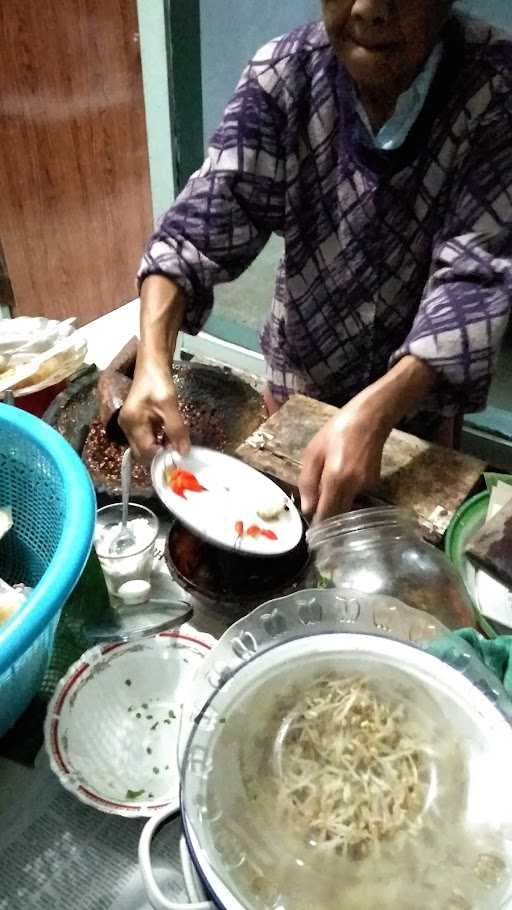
<point x="350" y="767"/>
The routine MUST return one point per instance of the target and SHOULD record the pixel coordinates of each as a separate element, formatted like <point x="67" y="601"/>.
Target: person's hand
<point x="150" y="407"/>
<point x="342" y="460"/>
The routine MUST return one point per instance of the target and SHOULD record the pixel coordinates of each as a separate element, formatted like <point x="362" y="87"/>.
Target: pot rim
<point x="238" y="602"/>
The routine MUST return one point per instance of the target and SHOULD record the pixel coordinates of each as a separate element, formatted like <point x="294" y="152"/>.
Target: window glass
<point x="229" y="38"/>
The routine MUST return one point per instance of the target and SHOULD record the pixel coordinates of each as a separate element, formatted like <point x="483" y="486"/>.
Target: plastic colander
<point x="54" y="507"/>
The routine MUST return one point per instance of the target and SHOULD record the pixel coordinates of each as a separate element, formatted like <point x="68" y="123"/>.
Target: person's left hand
<point x="342" y="460"/>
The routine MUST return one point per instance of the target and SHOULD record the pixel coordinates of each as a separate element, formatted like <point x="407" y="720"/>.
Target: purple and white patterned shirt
<point x="385" y="252"/>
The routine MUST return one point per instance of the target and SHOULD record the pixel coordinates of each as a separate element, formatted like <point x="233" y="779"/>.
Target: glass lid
<point x="350" y="771"/>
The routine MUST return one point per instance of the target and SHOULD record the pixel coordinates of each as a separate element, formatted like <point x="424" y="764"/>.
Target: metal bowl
<point x="238" y="850"/>
<point x="227" y="581"/>
<point x="283" y="641"/>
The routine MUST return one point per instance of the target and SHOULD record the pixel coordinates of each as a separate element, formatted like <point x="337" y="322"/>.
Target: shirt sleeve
<point x="465" y="305"/>
<point x="228" y="209"/>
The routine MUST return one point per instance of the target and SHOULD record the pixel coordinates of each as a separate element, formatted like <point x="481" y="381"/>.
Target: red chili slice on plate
<point x="181" y="482"/>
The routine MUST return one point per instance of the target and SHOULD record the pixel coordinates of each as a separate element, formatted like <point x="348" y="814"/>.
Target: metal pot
<point x="229" y="852"/>
<point x="230" y="582"/>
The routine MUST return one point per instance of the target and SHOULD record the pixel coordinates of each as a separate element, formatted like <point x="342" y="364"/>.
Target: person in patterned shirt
<point x="377" y="144"/>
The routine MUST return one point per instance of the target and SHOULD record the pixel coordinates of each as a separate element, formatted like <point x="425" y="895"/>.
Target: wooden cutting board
<point x="428" y="479"/>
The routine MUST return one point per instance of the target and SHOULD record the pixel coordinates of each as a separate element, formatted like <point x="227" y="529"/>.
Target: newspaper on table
<point x="57" y="854"/>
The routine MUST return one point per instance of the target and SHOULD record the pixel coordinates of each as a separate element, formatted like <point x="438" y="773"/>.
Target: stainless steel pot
<point x="286" y="643"/>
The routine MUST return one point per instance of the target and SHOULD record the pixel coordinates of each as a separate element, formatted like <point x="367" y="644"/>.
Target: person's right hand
<point x="150" y="407"/>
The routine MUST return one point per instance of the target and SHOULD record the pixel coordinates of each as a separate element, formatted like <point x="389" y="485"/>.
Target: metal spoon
<point x="296" y="501"/>
<point x="169" y="461"/>
<point x="126" y="537"/>
<point x="142" y="621"/>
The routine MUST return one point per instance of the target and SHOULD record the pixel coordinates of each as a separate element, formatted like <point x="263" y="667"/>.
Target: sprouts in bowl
<point x="351" y="768"/>
<point x="350" y="771"/>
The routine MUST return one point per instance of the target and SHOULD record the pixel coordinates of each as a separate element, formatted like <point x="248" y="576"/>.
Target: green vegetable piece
<point x="134" y="794"/>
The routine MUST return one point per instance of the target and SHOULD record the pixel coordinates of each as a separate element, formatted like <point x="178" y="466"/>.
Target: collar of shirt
<point x="408" y="107"/>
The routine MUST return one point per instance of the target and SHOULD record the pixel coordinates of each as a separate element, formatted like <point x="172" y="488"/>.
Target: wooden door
<point x="74" y="178"/>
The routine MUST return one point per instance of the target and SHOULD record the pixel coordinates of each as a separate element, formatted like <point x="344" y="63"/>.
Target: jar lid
<point x="354" y="764"/>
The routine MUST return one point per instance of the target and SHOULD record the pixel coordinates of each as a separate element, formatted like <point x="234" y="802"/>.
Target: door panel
<point x="74" y="177"/>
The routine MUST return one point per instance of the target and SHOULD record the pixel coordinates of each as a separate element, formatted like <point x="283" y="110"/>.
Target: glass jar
<point x="381" y="551"/>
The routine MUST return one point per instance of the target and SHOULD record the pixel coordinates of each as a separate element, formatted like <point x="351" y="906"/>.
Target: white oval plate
<point x="233" y="492"/>
<point x="111" y="731"/>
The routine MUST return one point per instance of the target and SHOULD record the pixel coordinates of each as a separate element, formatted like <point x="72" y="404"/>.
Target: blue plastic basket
<point x="54" y="509"/>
